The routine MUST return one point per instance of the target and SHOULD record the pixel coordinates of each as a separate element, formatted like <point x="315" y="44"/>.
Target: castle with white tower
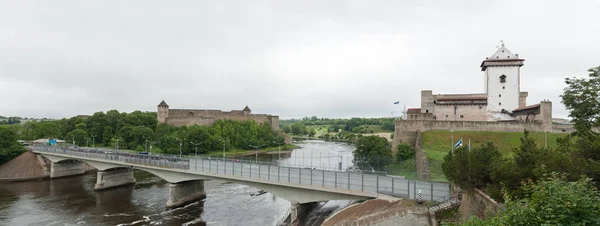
<point x="502" y="100"/>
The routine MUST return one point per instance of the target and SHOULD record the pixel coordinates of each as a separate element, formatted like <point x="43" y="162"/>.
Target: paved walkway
<point x="268" y="171"/>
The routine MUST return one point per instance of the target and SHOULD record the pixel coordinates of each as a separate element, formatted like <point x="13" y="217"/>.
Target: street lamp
<point x="224" y="140"/>
<point x="180" y="145"/>
<point x="256" y="151"/>
<point x="146" y="144"/>
<point x="93" y="145"/>
<point x="117" y="143"/>
<point x="196" y="145"/>
<point x="87" y="141"/>
<point x="279" y="144"/>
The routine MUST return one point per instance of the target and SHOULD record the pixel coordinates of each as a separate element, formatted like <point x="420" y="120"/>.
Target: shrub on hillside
<point x="551" y="201"/>
<point x="473" y="168"/>
<point x="405" y="151"/>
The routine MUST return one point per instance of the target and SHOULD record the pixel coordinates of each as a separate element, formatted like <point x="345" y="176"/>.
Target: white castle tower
<point x="502" y="83"/>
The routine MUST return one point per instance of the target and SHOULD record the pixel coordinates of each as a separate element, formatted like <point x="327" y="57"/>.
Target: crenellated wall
<point x="188" y="117"/>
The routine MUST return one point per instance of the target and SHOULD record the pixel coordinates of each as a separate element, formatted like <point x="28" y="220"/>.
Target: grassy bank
<point x="437" y="144"/>
<point x="404" y="168"/>
<point x="241" y="152"/>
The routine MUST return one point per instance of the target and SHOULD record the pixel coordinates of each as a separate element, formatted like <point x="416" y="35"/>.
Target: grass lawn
<point x="437" y="143"/>
<point x="405" y="168"/>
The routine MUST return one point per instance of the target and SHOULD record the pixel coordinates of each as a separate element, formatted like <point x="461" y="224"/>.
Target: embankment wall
<point x="476" y="203"/>
<point x="405" y="130"/>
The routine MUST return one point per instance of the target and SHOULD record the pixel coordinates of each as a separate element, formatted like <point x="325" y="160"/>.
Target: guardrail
<point x="270" y="171"/>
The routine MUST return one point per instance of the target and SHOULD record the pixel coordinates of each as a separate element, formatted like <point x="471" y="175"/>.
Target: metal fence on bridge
<point x="270" y="171"/>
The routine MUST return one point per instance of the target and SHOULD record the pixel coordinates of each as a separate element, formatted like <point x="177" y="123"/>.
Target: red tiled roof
<point x="527" y="107"/>
<point x="413" y="110"/>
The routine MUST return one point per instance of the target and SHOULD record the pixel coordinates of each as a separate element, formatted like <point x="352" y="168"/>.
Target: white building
<point x="501" y="101"/>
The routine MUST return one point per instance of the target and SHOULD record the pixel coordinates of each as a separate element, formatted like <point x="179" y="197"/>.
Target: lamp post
<point x="87" y="141"/>
<point x="146" y="145"/>
<point x="93" y="139"/>
<point x="117" y="143"/>
<point x="196" y="145"/>
<point x="279" y="148"/>
<point x="180" y="145"/>
<point x="224" y="140"/>
<point x="256" y="151"/>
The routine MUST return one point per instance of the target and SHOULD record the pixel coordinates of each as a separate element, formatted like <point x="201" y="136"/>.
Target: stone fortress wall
<point x="188" y="117"/>
<point x="406" y="130"/>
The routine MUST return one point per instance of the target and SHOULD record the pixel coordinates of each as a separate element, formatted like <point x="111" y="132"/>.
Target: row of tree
<point x="355" y="125"/>
<point x="10" y="121"/>
<point x="140" y="131"/>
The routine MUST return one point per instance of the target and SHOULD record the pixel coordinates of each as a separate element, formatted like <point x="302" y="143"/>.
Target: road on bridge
<point x="271" y="171"/>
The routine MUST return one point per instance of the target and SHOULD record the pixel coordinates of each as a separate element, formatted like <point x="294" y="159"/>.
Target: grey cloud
<point x="291" y="58"/>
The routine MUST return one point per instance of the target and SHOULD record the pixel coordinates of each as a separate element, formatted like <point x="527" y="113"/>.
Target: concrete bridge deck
<point x="302" y="185"/>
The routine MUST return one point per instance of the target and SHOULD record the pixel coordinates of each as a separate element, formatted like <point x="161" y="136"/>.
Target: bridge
<point x="186" y="175"/>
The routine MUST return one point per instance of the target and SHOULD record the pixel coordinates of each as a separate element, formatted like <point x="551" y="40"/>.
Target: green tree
<point x="473" y="168"/>
<point x="79" y="135"/>
<point x="9" y="147"/>
<point x="552" y="201"/>
<point x="582" y="98"/>
<point x="372" y="153"/>
<point x="405" y="152"/>
<point x="299" y="129"/>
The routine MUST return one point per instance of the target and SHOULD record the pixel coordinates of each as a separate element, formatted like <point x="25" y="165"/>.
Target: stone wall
<point x="421" y="160"/>
<point x="405" y="130"/>
<point x="463" y="113"/>
<point x="208" y="117"/>
<point x="477" y="203"/>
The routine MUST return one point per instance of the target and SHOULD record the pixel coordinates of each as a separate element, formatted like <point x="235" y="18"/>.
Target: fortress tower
<point x="502" y="83"/>
<point x="163" y="112"/>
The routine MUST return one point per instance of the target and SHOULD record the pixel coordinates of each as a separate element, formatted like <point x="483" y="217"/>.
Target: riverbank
<point x="285" y="149"/>
<point x="381" y="212"/>
<point x="27" y="167"/>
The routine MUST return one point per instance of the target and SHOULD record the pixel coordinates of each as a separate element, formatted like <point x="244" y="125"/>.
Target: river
<point x="72" y="201"/>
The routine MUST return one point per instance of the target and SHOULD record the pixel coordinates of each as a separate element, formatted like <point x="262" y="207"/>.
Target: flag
<point x="397" y="102"/>
<point x="458" y="144"/>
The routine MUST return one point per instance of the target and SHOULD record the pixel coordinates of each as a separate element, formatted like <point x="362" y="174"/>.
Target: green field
<point x="436" y="145"/>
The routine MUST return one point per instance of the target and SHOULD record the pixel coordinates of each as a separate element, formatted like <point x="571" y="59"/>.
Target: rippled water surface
<point x="72" y="201"/>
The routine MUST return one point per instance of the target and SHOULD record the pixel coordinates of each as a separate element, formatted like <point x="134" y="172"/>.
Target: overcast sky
<point x="288" y="58"/>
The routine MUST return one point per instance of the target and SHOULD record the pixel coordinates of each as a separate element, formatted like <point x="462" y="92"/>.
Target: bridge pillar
<point x="66" y="168"/>
<point x="297" y="210"/>
<point x="114" y="178"/>
<point x="183" y="193"/>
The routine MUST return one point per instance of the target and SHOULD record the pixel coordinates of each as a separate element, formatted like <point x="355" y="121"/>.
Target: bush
<point x="9" y="147"/>
<point x="139" y="148"/>
<point x="473" y="168"/>
<point x="372" y="152"/>
<point x="551" y="201"/>
<point x="405" y="151"/>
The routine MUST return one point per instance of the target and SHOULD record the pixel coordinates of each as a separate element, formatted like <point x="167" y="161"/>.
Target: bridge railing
<point x="270" y="171"/>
